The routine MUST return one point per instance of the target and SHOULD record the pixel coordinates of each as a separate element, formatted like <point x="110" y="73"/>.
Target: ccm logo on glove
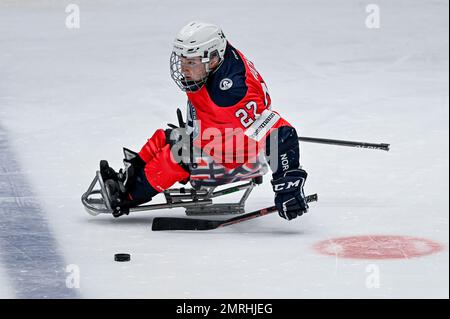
<point x="285" y="186"/>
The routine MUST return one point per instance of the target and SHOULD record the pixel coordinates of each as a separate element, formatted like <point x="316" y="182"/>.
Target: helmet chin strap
<point x="208" y="67"/>
<point x="206" y="60"/>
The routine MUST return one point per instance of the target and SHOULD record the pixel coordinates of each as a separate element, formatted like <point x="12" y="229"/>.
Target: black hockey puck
<point x="122" y="257"/>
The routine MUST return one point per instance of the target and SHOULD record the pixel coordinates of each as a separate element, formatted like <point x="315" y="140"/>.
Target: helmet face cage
<point x="179" y="78"/>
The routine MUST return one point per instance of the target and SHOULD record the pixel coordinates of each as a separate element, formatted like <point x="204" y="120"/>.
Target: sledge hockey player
<point x="224" y="91"/>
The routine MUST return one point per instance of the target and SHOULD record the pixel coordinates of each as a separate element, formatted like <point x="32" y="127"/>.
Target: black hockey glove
<point x="289" y="196"/>
<point x="180" y="142"/>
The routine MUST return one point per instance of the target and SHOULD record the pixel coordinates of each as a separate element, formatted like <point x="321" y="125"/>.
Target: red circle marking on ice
<point x="378" y="247"/>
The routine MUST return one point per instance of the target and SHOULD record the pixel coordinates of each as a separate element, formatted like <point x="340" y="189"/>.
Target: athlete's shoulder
<point x="227" y="84"/>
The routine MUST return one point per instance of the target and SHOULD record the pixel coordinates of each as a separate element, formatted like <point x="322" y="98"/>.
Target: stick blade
<point x="174" y="223"/>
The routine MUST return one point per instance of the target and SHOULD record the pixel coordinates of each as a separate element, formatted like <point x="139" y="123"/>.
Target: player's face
<point x="193" y="69"/>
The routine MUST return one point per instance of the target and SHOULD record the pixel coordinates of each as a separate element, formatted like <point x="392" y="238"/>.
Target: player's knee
<point x="162" y="172"/>
<point x="153" y="146"/>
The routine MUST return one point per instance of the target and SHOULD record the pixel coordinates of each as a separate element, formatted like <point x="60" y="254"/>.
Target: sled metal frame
<point x="196" y="202"/>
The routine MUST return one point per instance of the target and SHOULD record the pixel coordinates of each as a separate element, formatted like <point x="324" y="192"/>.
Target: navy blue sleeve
<point x="283" y="151"/>
<point x="226" y="85"/>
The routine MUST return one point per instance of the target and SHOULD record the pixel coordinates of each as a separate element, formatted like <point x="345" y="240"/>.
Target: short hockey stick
<point x="175" y="223"/>
<point x="381" y="146"/>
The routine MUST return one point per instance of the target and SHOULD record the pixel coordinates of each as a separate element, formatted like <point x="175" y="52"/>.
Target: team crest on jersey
<point x="225" y="84"/>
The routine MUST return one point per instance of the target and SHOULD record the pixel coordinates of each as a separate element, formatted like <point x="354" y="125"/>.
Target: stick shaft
<point x="259" y="213"/>
<point x="378" y="146"/>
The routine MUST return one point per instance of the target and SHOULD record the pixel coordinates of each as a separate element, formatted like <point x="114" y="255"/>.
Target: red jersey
<point x="230" y="116"/>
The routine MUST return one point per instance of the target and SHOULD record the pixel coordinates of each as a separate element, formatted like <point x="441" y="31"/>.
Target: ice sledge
<point x="198" y="199"/>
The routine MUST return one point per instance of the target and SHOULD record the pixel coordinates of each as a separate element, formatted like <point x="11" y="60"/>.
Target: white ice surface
<point x="6" y="290"/>
<point x="69" y="98"/>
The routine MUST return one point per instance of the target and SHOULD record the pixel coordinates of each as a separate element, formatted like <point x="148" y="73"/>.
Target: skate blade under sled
<point x="195" y="201"/>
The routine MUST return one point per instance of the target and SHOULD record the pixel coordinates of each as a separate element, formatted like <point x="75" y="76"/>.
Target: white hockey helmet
<point x="196" y="39"/>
